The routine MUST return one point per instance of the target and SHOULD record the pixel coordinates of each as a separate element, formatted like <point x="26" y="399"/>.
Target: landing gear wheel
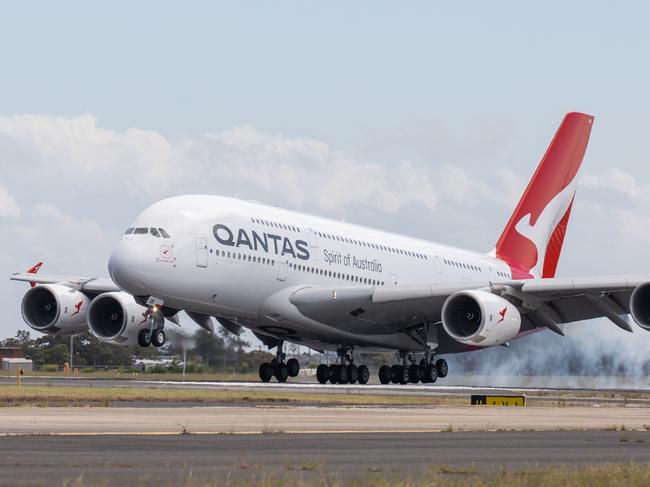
<point x="322" y="374"/>
<point x="342" y="374"/>
<point x="158" y="338"/>
<point x="395" y="374"/>
<point x="364" y="374"/>
<point x="294" y="367"/>
<point x="442" y="368"/>
<point x="281" y="372"/>
<point x="144" y="338"/>
<point x="266" y="372"/>
<point x="414" y="374"/>
<point x="384" y="374"/>
<point x="353" y="374"/>
<point x="430" y="373"/>
<point x="331" y="373"/>
<point x="404" y="379"/>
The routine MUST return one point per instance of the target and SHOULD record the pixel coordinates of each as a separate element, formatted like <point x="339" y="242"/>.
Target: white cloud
<point x="76" y="152"/>
<point x="8" y="206"/>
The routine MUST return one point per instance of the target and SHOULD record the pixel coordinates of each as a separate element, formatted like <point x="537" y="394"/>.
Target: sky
<point x="425" y="118"/>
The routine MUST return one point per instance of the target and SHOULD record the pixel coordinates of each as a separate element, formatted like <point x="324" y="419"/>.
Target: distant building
<point x="13" y="364"/>
<point x="11" y="352"/>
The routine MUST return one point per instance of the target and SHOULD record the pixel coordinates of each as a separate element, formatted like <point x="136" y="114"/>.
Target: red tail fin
<point x="33" y="270"/>
<point x="532" y="240"/>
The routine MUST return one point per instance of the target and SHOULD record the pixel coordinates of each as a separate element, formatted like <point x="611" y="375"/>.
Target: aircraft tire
<point x="442" y="368"/>
<point x="404" y="378"/>
<point x="342" y="374"/>
<point x="266" y="372"/>
<point x="281" y="372"/>
<point x="322" y="373"/>
<point x="395" y="374"/>
<point x="331" y="373"/>
<point x="144" y="338"/>
<point x="294" y="367"/>
<point x="384" y="374"/>
<point x="430" y="373"/>
<point x="364" y="374"/>
<point x="158" y="338"/>
<point x="353" y="374"/>
<point x="414" y="374"/>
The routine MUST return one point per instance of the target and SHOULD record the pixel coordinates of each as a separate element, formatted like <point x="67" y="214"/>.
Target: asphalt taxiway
<point x="168" y="459"/>
<point x="311" y="419"/>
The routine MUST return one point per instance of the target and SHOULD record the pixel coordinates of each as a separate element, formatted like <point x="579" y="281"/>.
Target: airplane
<point x="335" y="286"/>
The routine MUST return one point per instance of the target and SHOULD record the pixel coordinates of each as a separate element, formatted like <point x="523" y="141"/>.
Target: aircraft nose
<point x="123" y="267"/>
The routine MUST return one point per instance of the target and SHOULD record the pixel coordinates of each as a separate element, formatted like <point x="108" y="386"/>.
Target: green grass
<point x="26" y="395"/>
<point x="312" y="474"/>
<point x="110" y="374"/>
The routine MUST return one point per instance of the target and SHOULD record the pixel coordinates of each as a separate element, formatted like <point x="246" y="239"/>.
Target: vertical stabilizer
<point x="532" y="240"/>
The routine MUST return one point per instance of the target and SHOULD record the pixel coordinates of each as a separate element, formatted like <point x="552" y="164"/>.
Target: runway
<point x="306" y="419"/>
<point x="164" y="460"/>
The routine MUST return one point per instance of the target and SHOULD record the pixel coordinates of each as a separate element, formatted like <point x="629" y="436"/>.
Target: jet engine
<point x="480" y="318"/>
<point x="116" y="318"/>
<point x="55" y="309"/>
<point x="640" y="306"/>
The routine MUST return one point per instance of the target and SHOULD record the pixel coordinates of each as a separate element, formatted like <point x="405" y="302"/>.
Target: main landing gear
<point x="427" y="371"/>
<point x="278" y="368"/>
<point x="154" y="334"/>
<point x="345" y="372"/>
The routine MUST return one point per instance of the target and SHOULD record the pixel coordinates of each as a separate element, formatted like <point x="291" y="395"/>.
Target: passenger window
<point x="154" y="232"/>
<point x="141" y="231"/>
<point x="129" y="231"/>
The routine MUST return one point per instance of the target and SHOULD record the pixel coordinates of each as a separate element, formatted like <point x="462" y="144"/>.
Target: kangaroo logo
<point x="540" y="233"/>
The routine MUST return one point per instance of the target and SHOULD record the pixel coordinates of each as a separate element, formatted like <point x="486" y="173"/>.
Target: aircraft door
<point x="282" y="270"/>
<point x="437" y="265"/>
<point x="313" y="238"/>
<point x="201" y="244"/>
<point x="392" y="279"/>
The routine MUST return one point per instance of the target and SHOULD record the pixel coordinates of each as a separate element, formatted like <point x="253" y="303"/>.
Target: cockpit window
<point x="154" y="232"/>
<point x="129" y="231"/>
<point x="140" y="231"/>
<point x="163" y="233"/>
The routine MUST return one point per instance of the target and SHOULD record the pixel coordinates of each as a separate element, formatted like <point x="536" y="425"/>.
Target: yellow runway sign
<point x="479" y="400"/>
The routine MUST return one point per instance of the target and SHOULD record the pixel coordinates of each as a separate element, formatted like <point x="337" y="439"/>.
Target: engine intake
<point x="480" y="318"/>
<point x="55" y="309"/>
<point x="640" y="306"/>
<point x="115" y="317"/>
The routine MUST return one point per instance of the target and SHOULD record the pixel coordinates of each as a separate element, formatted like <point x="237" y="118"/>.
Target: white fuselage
<point x="227" y="257"/>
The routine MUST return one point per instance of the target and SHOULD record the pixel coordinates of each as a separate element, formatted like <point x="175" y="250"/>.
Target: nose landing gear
<point x="154" y="334"/>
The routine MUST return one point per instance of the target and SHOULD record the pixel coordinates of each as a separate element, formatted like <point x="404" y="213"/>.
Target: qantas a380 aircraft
<point x="328" y="285"/>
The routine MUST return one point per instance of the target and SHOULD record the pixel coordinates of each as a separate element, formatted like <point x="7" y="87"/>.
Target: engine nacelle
<point x="116" y="318"/>
<point x="55" y="309"/>
<point x="480" y="318"/>
<point x="640" y="306"/>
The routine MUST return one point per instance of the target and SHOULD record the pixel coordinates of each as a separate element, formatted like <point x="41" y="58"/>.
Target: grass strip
<point x="11" y="395"/>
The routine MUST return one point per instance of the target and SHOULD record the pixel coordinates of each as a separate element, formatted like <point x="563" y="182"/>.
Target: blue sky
<point x="426" y="118"/>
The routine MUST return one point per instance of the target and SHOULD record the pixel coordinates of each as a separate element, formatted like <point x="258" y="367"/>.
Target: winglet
<point x="33" y="270"/>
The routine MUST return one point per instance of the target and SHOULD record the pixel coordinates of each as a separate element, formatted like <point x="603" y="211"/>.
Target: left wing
<point x="90" y="285"/>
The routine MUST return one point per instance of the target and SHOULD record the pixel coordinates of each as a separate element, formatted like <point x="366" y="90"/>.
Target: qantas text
<point x="266" y="242"/>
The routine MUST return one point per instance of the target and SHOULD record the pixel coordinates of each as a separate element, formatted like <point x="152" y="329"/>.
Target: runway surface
<point x="305" y="419"/>
<point x="156" y="460"/>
